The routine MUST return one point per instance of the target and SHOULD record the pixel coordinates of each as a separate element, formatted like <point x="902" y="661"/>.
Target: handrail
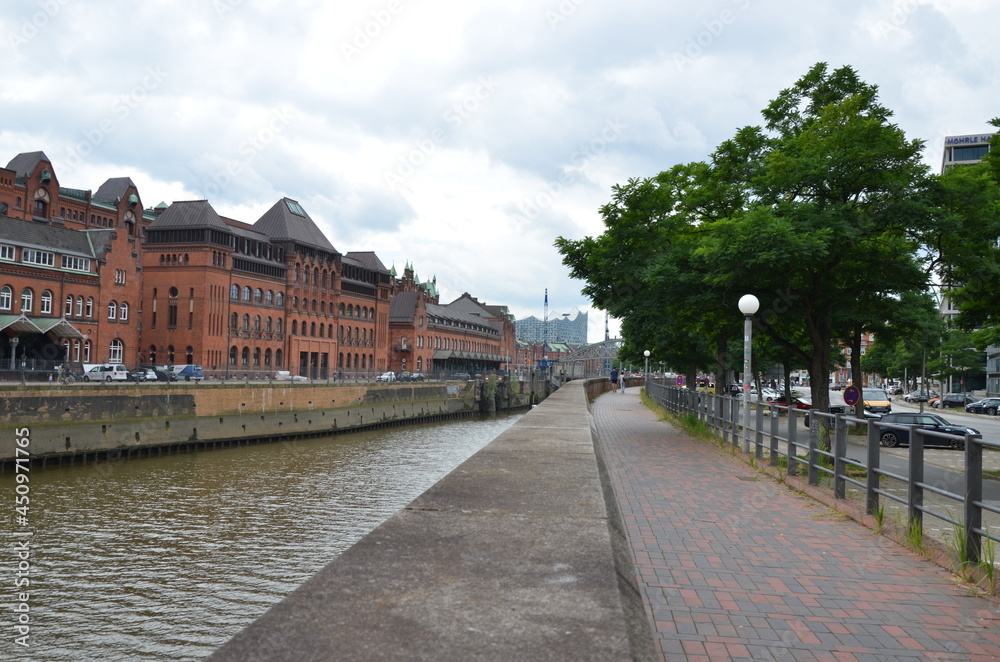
<point x="722" y="414"/>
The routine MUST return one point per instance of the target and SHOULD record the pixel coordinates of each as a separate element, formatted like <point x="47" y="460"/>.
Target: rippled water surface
<point x="167" y="558"/>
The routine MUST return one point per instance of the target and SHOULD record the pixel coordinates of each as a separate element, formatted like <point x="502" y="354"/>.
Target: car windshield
<point x="875" y="394"/>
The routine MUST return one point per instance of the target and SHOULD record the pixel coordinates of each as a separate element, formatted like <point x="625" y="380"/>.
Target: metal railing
<point x="722" y="414"/>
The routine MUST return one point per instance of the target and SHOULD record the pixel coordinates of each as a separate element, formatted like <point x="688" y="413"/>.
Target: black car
<point x="890" y="438"/>
<point x="955" y="400"/>
<point x="988" y="406"/>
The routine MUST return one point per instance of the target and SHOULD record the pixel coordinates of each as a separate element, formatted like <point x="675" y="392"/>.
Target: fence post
<point x="735" y="412"/>
<point x="793" y="451"/>
<point x="915" y="490"/>
<point x="839" y="452"/>
<point x="774" y="434"/>
<point x="758" y="436"/>
<point x="813" y="455"/>
<point x="973" y="520"/>
<point x="872" y="482"/>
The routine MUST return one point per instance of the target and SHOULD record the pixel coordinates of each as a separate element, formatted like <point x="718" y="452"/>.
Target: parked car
<point x="798" y="401"/>
<point x="106" y="372"/>
<point x="890" y="438"/>
<point x="164" y="375"/>
<point x="462" y="376"/>
<point x="919" y="396"/>
<point x="953" y="400"/>
<point x="876" y="400"/>
<point x="142" y="375"/>
<point x="386" y="377"/>
<point x="989" y="406"/>
<point x="187" y="372"/>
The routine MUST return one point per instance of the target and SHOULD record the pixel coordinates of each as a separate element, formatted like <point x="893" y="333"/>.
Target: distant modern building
<point x="965" y="150"/>
<point x="969" y="150"/>
<point x="561" y="329"/>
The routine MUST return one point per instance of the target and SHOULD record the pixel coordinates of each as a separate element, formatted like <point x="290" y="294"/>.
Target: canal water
<point x="167" y="558"/>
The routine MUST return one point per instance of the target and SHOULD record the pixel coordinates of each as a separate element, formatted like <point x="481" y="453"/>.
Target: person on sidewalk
<point x="614" y="378"/>
<point x="623" y="382"/>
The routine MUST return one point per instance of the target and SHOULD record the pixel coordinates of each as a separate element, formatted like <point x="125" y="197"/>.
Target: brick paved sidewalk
<point x="734" y="566"/>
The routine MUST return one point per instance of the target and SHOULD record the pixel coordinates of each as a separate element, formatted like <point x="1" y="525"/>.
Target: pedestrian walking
<point x="614" y="378"/>
<point x="622" y="380"/>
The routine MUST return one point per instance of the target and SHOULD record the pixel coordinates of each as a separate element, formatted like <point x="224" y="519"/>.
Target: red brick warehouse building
<point x="93" y="277"/>
<point x="70" y="276"/>
<point x="246" y="300"/>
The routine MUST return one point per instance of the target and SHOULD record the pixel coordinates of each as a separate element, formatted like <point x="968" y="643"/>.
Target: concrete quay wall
<point x="512" y="556"/>
<point x="70" y="423"/>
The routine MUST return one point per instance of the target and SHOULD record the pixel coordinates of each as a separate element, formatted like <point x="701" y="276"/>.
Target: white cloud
<point x="462" y="137"/>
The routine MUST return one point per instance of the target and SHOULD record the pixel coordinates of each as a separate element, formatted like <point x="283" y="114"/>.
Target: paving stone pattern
<point x="734" y="566"/>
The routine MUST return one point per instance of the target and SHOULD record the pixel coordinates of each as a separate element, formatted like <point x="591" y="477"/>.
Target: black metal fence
<point x="724" y="415"/>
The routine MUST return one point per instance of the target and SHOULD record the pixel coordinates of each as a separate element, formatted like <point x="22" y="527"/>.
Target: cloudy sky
<point x="461" y="137"/>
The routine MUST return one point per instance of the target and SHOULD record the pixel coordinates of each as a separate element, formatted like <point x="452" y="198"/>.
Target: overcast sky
<point x="462" y="137"/>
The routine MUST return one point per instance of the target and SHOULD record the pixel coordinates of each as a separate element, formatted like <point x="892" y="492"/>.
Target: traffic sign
<point x="852" y="395"/>
<point x="680" y="380"/>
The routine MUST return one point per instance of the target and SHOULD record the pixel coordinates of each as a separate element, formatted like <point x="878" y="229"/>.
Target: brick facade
<point x="94" y="277"/>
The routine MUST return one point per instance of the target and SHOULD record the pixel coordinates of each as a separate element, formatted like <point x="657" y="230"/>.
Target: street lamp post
<point x="748" y="306"/>
<point x="645" y="375"/>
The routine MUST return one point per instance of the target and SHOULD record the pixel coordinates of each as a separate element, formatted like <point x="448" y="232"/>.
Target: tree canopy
<point x="825" y="212"/>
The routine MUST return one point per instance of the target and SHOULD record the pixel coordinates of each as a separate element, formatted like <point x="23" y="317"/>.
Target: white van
<point x="104" y="372"/>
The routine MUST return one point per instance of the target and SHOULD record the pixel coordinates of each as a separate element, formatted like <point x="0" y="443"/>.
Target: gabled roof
<point x="403" y="307"/>
<point x="367" y="259"/>
<point x="189" y="214"/>
<point x="286" y="220"/>
<point x="113" y="190"/>
<point x="449" y="313"/>
<point x="88" y="243"/>
<point x="25" y="163"/>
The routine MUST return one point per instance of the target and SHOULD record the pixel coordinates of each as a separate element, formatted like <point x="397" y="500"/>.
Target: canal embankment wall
<point x="517" y="554"/>
<point x="97" y="421"/>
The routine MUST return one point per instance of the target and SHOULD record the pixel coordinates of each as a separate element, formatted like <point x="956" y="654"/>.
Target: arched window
<point x="267" y="356"/>
<point x="116" y="351"/>
<point x="341" y="310"/>
<point x="278" y="325"/>
<point x="279" y="299"/>
<point x="256" y="323"/>
<point x="90" y="307"/>
<point x="278" y="356"/>
<point x="258" y="296"/>
<point x="246" y="322"/>
<point x="234" y="321"/>
<point x="269" y="297"/>
<point x="295" y="327"/>
<point x="123" y="311"/>
<point x="232" y="355"/>
<point x="170" y="354"/>
<point x="312" y="329"/>
<point x="86" y="352"/>
<point x="79" y="307"/>
<point x="6" y="295"/>
<point x="152" y="354"/>
<point x="246" y="293"/>
<point x="234" y="292"/>
<point x="268" y="324"/>
<point x="189" y="354"/>
<point x="46" y="308"/>
<point x="68" y="308"/>
<point x="112" y="310"/>
<point x="27" y="299"/>
<point x="256" y="356"/>
<point x="245" y="356"/>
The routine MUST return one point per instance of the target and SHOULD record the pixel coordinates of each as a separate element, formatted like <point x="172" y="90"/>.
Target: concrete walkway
<point x="733" y="566"/>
